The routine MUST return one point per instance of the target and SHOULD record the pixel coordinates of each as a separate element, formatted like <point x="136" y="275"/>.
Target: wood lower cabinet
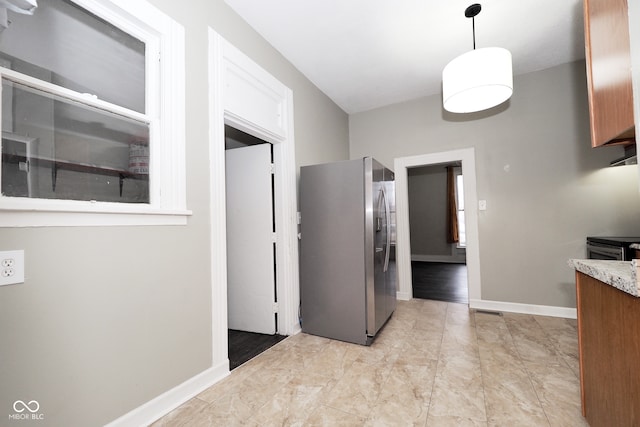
<point x="609" y="339"/>
<point x="608" y="58"/>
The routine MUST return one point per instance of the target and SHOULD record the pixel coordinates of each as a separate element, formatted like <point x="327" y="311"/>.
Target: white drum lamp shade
<point x="477" y="80"/>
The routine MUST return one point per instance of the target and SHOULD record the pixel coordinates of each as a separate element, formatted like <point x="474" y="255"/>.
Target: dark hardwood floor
<point x="244" y="346"/>
<point x="440" y="281"/>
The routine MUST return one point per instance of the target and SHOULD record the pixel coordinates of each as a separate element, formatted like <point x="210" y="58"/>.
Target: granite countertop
<point x="622" y="275"/>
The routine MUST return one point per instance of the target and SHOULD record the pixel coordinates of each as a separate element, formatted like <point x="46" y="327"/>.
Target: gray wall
<point x="546" y="189"/>
<point x="427" y="188"/>
<point x="105" y="321"/>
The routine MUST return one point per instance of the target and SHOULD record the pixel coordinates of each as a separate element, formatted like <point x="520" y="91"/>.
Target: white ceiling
<point x="366" y="54"/>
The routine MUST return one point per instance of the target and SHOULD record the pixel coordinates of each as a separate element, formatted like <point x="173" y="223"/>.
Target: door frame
<point x="231" y="108"/>
<point x="403" y="246"/>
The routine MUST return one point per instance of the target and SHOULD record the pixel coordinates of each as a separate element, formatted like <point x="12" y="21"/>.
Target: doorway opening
<point x="437" y="232"/>
<point x="252" y="297"/>
<point x="466" y="159"/>
<point x="245" y="96"/>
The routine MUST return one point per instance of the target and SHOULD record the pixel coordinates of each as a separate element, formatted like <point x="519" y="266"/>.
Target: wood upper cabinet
<point x="608" y="60"/>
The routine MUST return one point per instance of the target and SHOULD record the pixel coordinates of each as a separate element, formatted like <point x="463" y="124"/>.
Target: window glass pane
<point x="460" y="192"/>
<point x="64" y="44"/>
<point x="53" y="148"/>
<point x="462" y="233"/>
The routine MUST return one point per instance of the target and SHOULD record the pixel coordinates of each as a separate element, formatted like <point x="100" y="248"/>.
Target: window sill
<point x="53" y="213"/>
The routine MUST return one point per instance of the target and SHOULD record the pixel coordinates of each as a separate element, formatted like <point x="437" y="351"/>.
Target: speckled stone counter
<point x="622" y="275"/>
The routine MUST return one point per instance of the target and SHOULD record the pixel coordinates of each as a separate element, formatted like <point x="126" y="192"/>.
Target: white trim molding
<point x="217" y="203"/>
<point x="401" y="165"/>
<point x="512" y="307"/>
<point x="160" y="406"/>
<point x="404" y="295"/>
<point x="245" y="96"/>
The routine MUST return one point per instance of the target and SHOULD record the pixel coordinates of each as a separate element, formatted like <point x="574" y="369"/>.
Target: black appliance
<point x="611" y="248"/>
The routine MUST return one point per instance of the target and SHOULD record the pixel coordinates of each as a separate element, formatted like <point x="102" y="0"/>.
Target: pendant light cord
<point x="473" y="24"/>
<point x="471" y="12"/>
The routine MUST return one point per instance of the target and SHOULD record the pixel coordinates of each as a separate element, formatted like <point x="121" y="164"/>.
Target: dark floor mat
<point x="244" y="346"/>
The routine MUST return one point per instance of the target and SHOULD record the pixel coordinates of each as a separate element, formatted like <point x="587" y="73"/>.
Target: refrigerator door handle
<point x="387" y="212"/>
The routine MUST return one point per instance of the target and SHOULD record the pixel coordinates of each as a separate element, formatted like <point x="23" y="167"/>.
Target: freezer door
<point x="391" y="272"/>
<point x="377" y="310"/>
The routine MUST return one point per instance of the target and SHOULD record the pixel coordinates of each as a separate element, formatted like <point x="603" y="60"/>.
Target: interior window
<point x="93" y="116"/>
<point x="66" y="45"/>
<point x="66" y="150"/>
<point x="73" y="107"/>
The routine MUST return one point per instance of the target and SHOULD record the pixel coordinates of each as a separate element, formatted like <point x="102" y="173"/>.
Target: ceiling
<point x="366" y="54"/>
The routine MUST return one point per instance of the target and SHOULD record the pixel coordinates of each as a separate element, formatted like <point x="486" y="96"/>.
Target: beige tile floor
<point x="434" y="364"/>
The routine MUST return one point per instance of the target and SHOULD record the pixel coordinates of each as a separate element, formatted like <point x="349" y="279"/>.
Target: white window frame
<point x="457" y="171"/>
<point x="165" y="80"/>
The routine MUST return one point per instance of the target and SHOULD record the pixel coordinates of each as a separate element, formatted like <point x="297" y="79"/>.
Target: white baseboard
<point x="403" y="296"/>
<point x="156" y="408"/>
<point x="296" y="329"/>
<point x="512" y="307"/>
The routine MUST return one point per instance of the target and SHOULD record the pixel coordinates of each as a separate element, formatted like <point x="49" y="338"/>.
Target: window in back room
<point x="462" y="231"/>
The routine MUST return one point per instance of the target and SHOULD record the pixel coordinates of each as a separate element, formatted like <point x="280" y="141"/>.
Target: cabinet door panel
<point x="609" y="71"/>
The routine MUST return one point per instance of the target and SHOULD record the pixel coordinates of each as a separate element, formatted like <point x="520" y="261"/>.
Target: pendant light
<point x="478" y="79"/>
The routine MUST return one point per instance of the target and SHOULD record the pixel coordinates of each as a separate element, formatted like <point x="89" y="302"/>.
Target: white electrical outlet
<point x="11" y="267"/>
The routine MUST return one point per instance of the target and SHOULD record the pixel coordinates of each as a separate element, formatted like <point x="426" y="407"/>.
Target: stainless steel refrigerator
<point x="347" y="283"/>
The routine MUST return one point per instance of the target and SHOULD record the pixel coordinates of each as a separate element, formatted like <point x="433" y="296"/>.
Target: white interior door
<point x="250" y="240"/>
